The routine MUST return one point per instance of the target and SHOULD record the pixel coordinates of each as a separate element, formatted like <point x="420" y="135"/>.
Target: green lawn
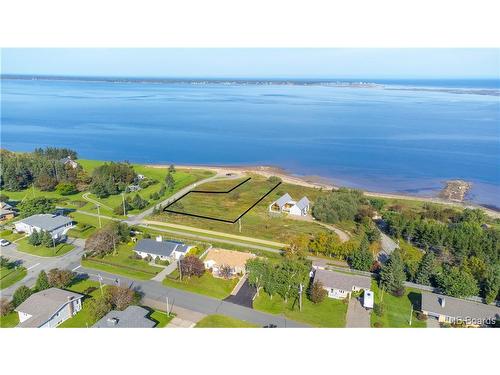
<point x="397" y="309"/>
<point x="82" y="319"/>
<point x="9" y="276"/>
<point x="161" y="318"/>
<point x="206" y="284"/>
<point x="257" y="222"/>
<point x="222" y="321"/>
<point x="329" y="313"/>
<point x="85" y="224"/>
<point x="10" y="320"/>
<point x="10" y="236"/>
<point x="60" y="249"/>
<point x="121" y="263"/>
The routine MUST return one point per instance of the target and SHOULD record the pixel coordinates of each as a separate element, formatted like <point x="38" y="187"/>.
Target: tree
<point x="35" y="238"/>
<point x="46" y="239"/>
<point x="99" y="189"/>
<point x="138" y="203"/>
<point x="191" y="266"/>
<point x="98" y="307"/>
<point x="4" y="198"/>
<point x="317" y="293"/>
<point x="4" y="262"/>
<point x="288" y="275"/>
<point x="298" y="247"/>
<point x="45" y="182"/>
<point x="42" y="282"/>
<point x="457" y="282"/>
<point x="362" y="259"/>
<point x="66" y="188"/>
<point x="170" y="181"/>
<point x="20" y="295"/>
<point x="425" y="269"/>
<point x="105" y="240"/>
<point x="120" y="298"/>
<point x="5" y="307"/>
<point x="225" y="271"/>
<point x="171" y="168"/>
<point x="257" y="269"/>
<point x="34" y="206"/>
<point x="492" y="284"/>
<point x="60" y="278"/>
<point x="392" y="276"/>
<point x="337" y="205"/>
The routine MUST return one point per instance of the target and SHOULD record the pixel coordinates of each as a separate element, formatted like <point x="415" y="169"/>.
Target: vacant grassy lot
<point x="222" y="321"/>
<point x="58" y="250"/>
<point x="85" y="224"/>
<point x="329" y="313"/>
<point x="257" y="222"/>
<point x="397" y="309"/>
<point x="206" y="284"/>
<point x="11" y="275"/>
<point x="123" y="263"/>
<point x="10" y="320"/>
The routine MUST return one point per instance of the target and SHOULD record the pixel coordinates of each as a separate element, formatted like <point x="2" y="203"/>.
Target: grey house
<point x="340" y="285"/>
<point x="165" y="250"/>
<point x="131" y="317"/>
<point x="48" y="308"/>
<point x="56" y="225"/>
<point x="455" y="310"/>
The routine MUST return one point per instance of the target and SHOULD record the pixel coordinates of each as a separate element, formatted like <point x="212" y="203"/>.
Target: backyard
<point x="397" y="309"/>
<point x="222" y="321"/>
<point x="124" y="263"/>
<point x="328" y="313"/>
<point x="43" y="251"/>
<point x="206" y="284"/>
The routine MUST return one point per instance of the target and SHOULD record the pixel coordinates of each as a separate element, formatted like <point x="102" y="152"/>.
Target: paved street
<point x="357" y="315"/>
<point x="34" y="264"/>
<point x="194" y="302"/>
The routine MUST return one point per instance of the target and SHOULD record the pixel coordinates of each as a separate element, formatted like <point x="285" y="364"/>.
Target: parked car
<point x="4" y="242"/>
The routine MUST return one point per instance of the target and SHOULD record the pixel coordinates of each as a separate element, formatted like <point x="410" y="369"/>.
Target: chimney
<point x="70" y="306"/>
<point x="442" y="302"/>
<point x="112" y="321"/>
<point x="159" y="238"/>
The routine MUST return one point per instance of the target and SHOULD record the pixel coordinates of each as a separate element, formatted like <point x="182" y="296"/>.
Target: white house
<point x="69" y="161"/>
<point x="57" y="225"/>
<point x="165" y="250"/>
<point x="286" y="204"/>
<point x="341" y="285"/>
<point x="235" y="260"/>
<point x="48" y="308"/>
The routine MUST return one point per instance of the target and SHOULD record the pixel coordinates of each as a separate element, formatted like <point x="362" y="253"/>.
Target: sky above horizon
<point x="255" y="63"/>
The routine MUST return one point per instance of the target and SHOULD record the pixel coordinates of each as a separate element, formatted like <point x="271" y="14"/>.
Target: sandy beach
<point x="319" y="182"/>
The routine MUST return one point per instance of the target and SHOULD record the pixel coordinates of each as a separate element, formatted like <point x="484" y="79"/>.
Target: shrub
<point x="60" y="278"/>
<point x="192" y="266"/>
<point x="42" y="282"/>
<point x="20" y="295"/>
<point x="66" y="188"/>
<point x="121" y="298"/>
<point x="5" y="307"/>
<point x="274" y="179"/>
<point x="378" y="325"/>
<point x="317" y="293"/>
<point x="399" y="292"/>
<point x="421" y="316"/>
<point x="378" y="309"/>
<point x="98" y="307"/>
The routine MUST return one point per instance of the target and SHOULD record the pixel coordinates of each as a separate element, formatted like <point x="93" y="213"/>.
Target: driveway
<point x="357" y="315"/>
<point x="34" y="264"/>
<point x="244" y="296"/>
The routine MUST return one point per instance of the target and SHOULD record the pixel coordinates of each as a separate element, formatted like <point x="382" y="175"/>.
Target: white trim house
<point x="48" y="308"/>
<point x="341" y="285"/>
<point x="285" y="204"/>
<point x="57" y="225"/>
<point x="165" y="250"/>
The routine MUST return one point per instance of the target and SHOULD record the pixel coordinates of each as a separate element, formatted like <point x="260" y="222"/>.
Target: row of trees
<point x="41" y="238"/>
<point x="342" y="205"/>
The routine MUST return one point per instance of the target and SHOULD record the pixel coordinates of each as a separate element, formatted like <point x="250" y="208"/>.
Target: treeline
<point x="111" y="178"/>
<point x="43" y="168"/>
<point x="462" y="253"/>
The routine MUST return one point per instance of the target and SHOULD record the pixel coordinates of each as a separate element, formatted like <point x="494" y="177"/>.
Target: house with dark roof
<point x="131" y="317"/>
<point x="6" y="211"/>
<point x="285" y="204"/>
<point x="57" y="225"/>
<point x="165" y="250"/>
<point x="48" y="308"/>
<point x="455" y="310"/>
<point x="340" y="285"/>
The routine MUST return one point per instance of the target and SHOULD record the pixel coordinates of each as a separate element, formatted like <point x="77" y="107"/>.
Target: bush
<point x="421" y="316"/>
<point x="400" y="292"/>
<point x="378" y="309"/>
<point x="5" y="307"/>
<point x="98" y="307"/>
<point x="66" y="188"/>
<point x="60" y="278"/>
<point x="317" y="293"/>
<point x="192" y="266"/>
<point x="20" y="295"/>
<point x="378" y="325"/>
<point x="274" y="179"/>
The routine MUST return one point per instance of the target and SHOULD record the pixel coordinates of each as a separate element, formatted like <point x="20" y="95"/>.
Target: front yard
<point x="58" y="250"/>
<point x="206" y="284"/>
<point x="11" y="275"/>
<point x="397" y="309"/>
<point x="10" y="320"/>
<point x="123" y="263"/>
<point x="222" y="321"/>
<point x="328" y="313"/>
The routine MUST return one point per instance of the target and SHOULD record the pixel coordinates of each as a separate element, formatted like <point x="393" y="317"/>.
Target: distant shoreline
<point x="319" y="182"/>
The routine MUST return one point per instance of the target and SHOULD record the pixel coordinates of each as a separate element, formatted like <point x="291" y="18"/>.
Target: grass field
<point x="222" y="321"/>
<point x="328" y="313"/>
<point x="9" y="276"/>
<point x="257" y="222"/>
<point x="10" y="320"/>
<point x="397" y="309"/>
<point x="58" y="250"/>
<point x="85" y="225"/>
<point x="121" y="264"/>
<point x="206" y="284"/>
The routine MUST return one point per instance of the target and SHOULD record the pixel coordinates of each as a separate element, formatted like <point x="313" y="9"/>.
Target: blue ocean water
<point x="402" y="141"/>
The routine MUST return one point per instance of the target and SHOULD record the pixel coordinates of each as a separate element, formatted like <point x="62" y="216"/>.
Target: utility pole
<point x="99" y="215"/>
<point x="180" y="269"/>
<point x="411" y="313"/>
<point x="239" y="224"/>
<point x="53" y="243"/>
<point x="123" y="200"/>
<point x="300" y="296"/>
<point x="100" y="283"/>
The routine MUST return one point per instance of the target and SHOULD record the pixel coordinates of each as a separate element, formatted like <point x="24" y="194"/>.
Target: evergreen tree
<point x="457" y="282"/>
<point x="34" y="238"/>
<point x="362" y="259"/>
<point x="492" y="284"/>
<point x="20" y="295"/>
<point x="171" y="168"/>
<point x="46" y="239"/>
<point x="392" y="276"/>
<point x="169" y="181"/>
<point x="42" y="282"/>
<point x="425" y="269"/>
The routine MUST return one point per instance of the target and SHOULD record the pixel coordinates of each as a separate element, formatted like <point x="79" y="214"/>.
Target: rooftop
<point x="162" y="248"/>
<point x="458" y="308"/>
<point x="228" y="257"/>
<point x="343" y="281"/>
<point x="283" y="200"/>
<point x="44" y="304"/>
<point x="303" y="203"/>
<point x="131" y="317"/>
<point x="47" y="222"/>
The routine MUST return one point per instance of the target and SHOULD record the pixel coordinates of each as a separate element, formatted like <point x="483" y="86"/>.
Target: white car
<point x="4" y="242"/>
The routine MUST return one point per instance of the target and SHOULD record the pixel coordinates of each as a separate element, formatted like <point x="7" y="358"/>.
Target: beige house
<point x="236" y="260"/>
<point x="6" y="212"/>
